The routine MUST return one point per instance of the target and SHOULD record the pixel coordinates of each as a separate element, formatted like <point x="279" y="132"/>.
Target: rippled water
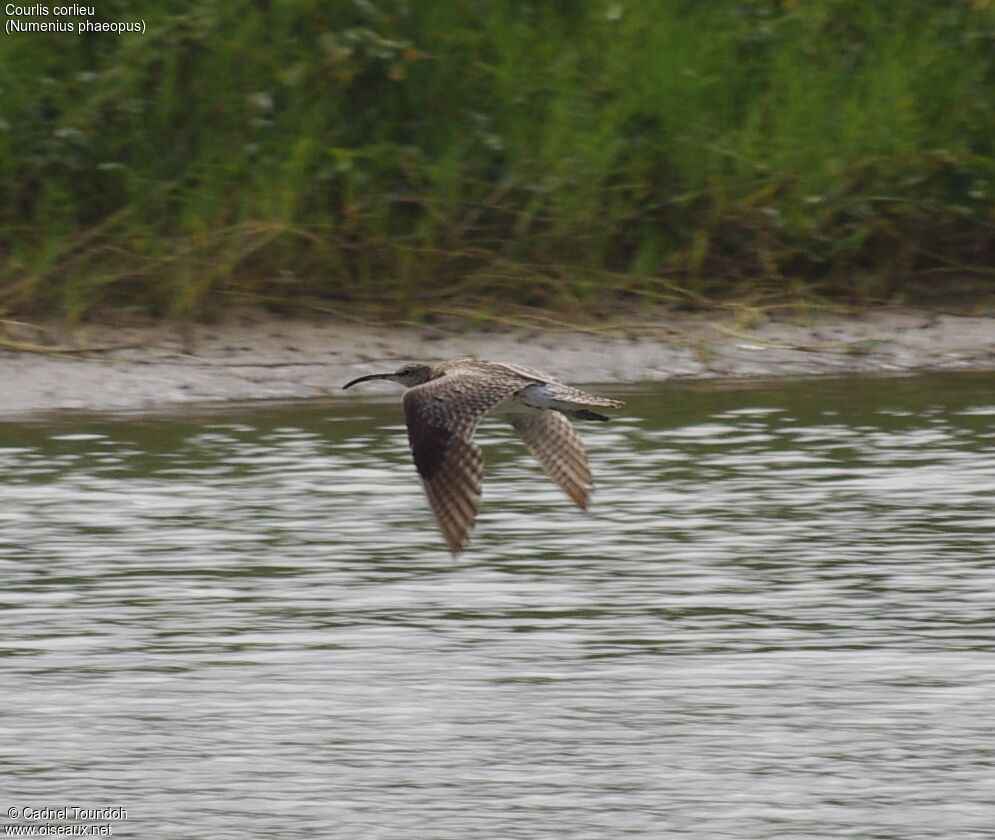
<point x="779" y="622"/>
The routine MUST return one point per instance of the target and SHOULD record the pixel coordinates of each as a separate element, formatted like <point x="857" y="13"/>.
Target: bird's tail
<point x="584" y="414"/>
<point x="571" y="401"/>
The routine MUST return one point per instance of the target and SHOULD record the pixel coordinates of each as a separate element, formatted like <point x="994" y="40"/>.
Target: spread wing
<point x="556" y="446"/>
<point x="525" y="372"/>
<point x="442" y="415"/>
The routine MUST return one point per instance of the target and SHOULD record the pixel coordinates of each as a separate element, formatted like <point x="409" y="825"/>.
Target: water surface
<point x="778" y="622"/>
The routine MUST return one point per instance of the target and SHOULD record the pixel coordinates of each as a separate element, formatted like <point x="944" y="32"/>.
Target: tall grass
<point x="558" y="153"/>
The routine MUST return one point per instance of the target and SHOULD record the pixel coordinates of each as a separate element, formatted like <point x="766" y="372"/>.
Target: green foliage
<point x="553" y="153"/>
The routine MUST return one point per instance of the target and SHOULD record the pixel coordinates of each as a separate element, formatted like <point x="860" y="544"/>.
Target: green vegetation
<point x="564" y="154"/>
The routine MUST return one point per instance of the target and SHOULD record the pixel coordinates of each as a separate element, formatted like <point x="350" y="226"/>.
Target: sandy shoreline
<point x="255" y="355"/>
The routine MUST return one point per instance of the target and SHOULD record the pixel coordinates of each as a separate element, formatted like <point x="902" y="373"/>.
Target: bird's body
<point x="443" y="405"/>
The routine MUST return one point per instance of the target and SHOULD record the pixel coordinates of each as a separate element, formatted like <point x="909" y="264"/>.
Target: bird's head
<point x="406" y="375"/>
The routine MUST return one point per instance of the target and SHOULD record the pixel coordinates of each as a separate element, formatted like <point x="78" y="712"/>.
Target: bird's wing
<point x="557" y="448"/>
<point x="442" y="415"/>
<point x="526" y="372"/>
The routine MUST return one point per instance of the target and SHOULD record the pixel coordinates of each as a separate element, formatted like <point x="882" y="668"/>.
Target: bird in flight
<point x="443" y="405"/>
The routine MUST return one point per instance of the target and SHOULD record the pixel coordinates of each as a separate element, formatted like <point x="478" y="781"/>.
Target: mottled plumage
<point x="443" y="406"/>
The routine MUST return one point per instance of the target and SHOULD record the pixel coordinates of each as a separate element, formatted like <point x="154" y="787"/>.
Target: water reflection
<point x="778" y="622"/>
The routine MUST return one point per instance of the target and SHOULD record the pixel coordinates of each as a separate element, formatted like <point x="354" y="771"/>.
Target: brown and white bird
<point x="443" y="405"/>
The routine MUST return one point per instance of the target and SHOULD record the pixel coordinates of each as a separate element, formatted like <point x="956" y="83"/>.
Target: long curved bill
<point x="366" y="379"/>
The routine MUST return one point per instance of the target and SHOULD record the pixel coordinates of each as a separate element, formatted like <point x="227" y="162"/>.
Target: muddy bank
<point x="255" y="355"/>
